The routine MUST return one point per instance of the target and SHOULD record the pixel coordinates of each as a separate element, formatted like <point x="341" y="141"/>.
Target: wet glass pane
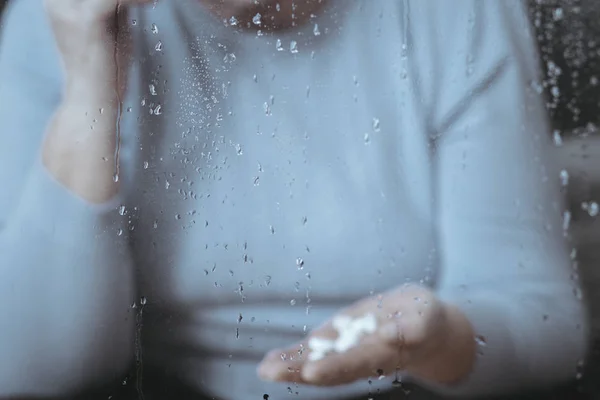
<point x="309" y="199"/>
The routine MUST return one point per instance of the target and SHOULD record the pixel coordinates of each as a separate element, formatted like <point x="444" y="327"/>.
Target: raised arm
<point x="65" y="274"/>
<point x="505" y="259"/>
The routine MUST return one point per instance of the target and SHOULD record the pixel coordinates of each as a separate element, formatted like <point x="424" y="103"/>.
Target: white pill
<point x="315" y="356"/>
<point x="350" y="331"/>
<point x="341" y="322"/>
<point x="367" y="323"/>
<point x="346" y="340"/>
<point x="320" y="344"/>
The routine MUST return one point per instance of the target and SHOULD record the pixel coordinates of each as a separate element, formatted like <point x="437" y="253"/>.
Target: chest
<point x="279" y="162"/>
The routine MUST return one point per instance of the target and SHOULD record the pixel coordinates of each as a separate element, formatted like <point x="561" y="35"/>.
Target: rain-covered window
<point x="303" y="199"/>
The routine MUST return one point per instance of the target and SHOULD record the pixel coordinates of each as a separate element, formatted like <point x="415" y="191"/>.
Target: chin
<point x="278" y="14"/>
<point x="228" y="8"/>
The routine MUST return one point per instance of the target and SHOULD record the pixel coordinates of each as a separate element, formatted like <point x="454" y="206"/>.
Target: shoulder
<point x="474" y="31"/>
<point x="461" y="45"/>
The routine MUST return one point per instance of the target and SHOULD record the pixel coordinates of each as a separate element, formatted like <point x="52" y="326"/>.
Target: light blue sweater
<point x="271" y="179"/>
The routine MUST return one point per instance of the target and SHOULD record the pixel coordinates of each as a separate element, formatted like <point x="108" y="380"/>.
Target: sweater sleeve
<point x="503" y="249"/>
<point x="65" y="276"/>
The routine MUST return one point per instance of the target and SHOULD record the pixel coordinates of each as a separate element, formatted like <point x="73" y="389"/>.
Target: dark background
<point x="568" y="33"/>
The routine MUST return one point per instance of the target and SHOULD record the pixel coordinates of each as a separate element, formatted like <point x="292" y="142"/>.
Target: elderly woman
<point x="202" y="187"/>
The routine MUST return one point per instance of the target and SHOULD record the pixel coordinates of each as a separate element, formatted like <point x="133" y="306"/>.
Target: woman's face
<point x="275" y="14"/>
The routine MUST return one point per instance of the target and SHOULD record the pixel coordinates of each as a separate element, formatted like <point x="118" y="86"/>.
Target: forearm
<point x="82" y="137"/>
<point x="67" y="283"/>
<point x="65" y="292"/>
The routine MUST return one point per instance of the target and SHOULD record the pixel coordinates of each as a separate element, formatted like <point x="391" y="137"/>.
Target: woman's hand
<point x="416" y="333"/>
<point x="80" y="147"/>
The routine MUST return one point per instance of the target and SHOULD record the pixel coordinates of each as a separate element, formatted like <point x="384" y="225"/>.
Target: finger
<point x="370" y="358"/>
<point x="283" y="365"/>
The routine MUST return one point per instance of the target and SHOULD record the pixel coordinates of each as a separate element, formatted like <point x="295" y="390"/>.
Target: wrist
<point x="453" y="355"/>
<point x="91" y="88"/>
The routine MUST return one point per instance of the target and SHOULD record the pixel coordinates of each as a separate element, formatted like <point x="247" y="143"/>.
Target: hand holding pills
<point x="398" y="330"/>
<point x="350" y="331"/>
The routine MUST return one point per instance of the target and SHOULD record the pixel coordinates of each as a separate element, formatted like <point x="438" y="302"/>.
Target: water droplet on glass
<point x="154" y="28"/>
<point x="481" y="340"/>
<point x="152" y="89"/>
<point x="573" y="254"/>
<point x="367" y="138"/>
<point x="122" y="210"/>
<point x="592" y="208"/>
<point x="157" y="110"/>
<point x="293" y="302"/>
<point x="564" y="177"/>
<point x="233" y="21"/>
<point x="143" y="300"/>
<point x="256" y="19"/>
<point x="558" y="14"/>
<point x="376" y="127"/>
<point x="566" y="220"/>
<point x="158" y="46"/>
<point x="278" y="45"/>
<point x="556" y="136"/>
<point x="267" y="108"/>
<point x="316" y="30"/>
<point x="299" y="263"/>
<point x="579" y="369"/>
<point x="537" y="87"/>
<point x="293" y="47"/>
